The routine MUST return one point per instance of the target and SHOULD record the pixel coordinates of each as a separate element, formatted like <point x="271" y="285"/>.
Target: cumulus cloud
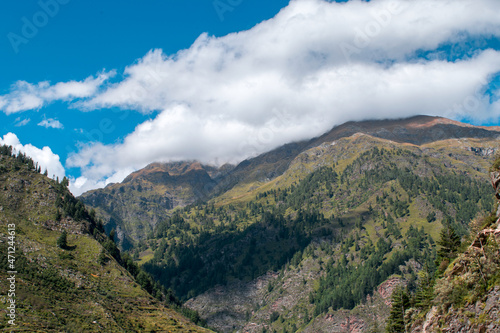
<point x="45" y="157"/>
<point x="316" y="64"/>
<point x="304" y="40"/>
<point x="25" y="96"/>
<point x="51" y="123"/>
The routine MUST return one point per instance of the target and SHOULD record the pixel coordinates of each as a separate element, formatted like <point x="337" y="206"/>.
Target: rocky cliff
<point x="467" y="298"/>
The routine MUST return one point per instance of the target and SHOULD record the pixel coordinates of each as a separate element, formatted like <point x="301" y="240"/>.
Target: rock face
<point x="367" y="317"/>
<point x="481" y="316"/>
<point x="226" y="308"/>
<point x="248" y="307"/>
<point x="482" y="151"/>
<point x="495" y="181"/>
<point x="480" y="262"/>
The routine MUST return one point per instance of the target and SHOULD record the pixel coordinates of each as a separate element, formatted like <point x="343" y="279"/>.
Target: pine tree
<point x="425" y="288"/>
<point x="62" y="241"/>
<point x="449" y="242"/>
<point x="65" y="182"/>
<point x="58" y="215"/>
<point x="400" y="303"/>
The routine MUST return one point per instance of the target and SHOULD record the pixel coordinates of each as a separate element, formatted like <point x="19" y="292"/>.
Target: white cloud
<point x="354" y="93"/>
<point x="305" y="39"/>
<point x="83" y="184"/>
<point x="314" y="65"/>
<point x="26" y="96"/>
<point x="51" y="123"/>
<point x="22" y="122"/>
<point x="45" y="157"/>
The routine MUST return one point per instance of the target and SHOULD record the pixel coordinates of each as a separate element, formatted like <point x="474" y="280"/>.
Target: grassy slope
<point x="67" y="289"/>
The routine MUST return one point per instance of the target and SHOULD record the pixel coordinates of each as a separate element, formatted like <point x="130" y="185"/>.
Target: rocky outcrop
<point x="367" y="317"/>
<point x="481" y="316"/>
<point x="495" y="181"/>
<point x="386" y="288"/>
<point x="482" y="151"/>
<point x="477" y="266"/>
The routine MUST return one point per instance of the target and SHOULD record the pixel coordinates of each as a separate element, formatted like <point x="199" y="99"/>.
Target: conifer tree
<point x="400" y="303"/>
<point x="62" y="241"/>
<point x="424" y="293"/>
<point x="449" y="242"/>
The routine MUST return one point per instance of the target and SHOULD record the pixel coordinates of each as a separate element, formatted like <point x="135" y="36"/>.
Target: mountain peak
<point x="415" y="130"/>
<point x="171" y="169"/>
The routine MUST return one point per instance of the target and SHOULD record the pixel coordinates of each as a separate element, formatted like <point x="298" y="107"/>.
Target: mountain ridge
<point x="165" y="186"/>
<point x="425" y="128"/>
<point x="352" y="158"/>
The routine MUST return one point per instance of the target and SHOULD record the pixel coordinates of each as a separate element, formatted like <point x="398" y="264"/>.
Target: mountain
<point x="354" y="213"/>
<point x="147" y="196"/>
<point x="313" y="236"/>
<point x="416" y="130"/>
<point x="69" y="276"/>
<point x="135" y="206"/>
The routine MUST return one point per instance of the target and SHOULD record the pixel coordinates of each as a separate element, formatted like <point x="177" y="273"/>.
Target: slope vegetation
<point x="135" y="206"/>
<point x="66" y="280"/>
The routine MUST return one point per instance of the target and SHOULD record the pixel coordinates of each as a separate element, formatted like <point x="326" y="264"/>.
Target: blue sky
<point x="85" y="37"/>
<point x="110" y="86"/>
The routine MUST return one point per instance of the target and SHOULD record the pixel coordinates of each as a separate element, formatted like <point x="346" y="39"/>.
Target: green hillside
<point x="66" y="280"/>
<point x="135" y="206"/>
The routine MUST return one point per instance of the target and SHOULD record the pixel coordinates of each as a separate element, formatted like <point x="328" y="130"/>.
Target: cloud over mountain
<point x="314" y="65"/>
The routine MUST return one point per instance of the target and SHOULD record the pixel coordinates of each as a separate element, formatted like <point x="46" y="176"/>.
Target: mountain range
<point x="149" y="195"/>
<point x="375" y="226"/>
<point x="312" y="236"/>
